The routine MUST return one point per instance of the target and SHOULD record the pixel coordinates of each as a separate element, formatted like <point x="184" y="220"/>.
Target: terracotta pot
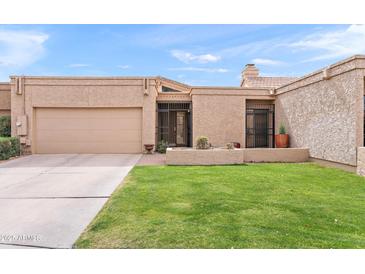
<point x="149" y="148"/>
<point x="282" y="140"/>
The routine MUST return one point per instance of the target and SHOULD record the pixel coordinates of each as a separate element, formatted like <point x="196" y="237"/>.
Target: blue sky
<point x="193" y="54"/>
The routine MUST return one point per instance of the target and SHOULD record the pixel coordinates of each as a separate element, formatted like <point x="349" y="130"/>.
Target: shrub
<point x="5" y="126"/>
<point x="15" y="146"/>
<point x="9" y="147"/>
<point x="162" y="146"/>
<point x="202" y="142"/>
<point x="5" y="148"/>
<point x="282" y="129"/>
<point x="229" y="145"/>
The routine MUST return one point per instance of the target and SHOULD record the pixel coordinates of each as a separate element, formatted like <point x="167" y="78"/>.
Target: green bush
<point x="9" y="147"/>
<point x="15" y="146"/>
<point x="5" y="149"/>
<point x="5" y="124"/>
<point x="202" y="142"/>
<point x="162" y="146"/>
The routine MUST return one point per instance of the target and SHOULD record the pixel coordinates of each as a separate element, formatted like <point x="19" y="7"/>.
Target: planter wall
<point x="191" y="156"/>
<point x="203" y="156"/>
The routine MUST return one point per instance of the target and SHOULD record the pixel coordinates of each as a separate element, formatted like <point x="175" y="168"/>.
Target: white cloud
<point x="123" y="66"/>
<point x="251" y="48"/>
<point x="219" y="70"/>
<point x="21" y="48"/>
<point x="268" y="62"/>
<point x="333" y="44"/>
<point x="78" y="65"/>
<point x="187" y="57"/>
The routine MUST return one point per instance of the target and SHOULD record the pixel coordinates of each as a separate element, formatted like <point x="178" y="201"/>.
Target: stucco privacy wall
<point x="5" y="99"/>
<point x="38" y="92"/>
<point x="324" y="111"/>
<point x="219" y="114"/>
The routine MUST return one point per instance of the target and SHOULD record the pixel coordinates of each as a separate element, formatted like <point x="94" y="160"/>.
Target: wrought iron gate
<point x="174" y="123"/>
<point x="260" y="126"/>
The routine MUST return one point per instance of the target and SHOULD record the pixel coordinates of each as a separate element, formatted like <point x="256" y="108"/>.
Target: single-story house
<point x="322" y="111"/>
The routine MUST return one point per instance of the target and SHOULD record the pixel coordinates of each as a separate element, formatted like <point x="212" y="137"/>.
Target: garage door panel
<point x="104" y="113"/>
<point x="76" y="147"/>
<point x="88" y="130"/>
<point x="89" y="136"/>
<point x="74" y="123"/>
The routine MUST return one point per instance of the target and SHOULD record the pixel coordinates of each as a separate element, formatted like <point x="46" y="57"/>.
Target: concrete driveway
<point x="48" y="200"/>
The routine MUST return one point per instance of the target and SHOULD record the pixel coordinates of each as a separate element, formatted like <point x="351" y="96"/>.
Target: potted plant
<point x="282" y="139"/>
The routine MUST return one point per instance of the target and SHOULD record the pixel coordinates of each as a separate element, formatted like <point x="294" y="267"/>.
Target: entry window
<point x="260" y="125"/>
<point x="174" y="123"/>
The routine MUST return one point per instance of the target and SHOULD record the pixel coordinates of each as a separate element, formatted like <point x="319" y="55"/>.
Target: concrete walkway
<point x="48" y="200"/>
<point x="155" y="159"/>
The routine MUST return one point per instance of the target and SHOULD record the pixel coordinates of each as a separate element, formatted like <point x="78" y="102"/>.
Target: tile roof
<point x="266" y="82"/>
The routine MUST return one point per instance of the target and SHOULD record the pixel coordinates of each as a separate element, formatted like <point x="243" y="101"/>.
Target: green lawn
<point x="241" y="206"/>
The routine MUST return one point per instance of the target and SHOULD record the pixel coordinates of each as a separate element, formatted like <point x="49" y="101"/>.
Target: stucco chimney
<point x="250" y="70"/>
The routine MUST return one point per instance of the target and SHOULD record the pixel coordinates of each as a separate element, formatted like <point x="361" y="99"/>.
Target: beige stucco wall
<point x="220" y="114"/>
<point x="85" y="92"/>
<point x="5" y="99"/>
<point x="325" y="115"/>
<point x="190" y="156"/>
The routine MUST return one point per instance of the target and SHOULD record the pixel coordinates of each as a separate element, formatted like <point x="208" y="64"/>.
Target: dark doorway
<point x="174" y="123"/>
<point x="260" y="127"/>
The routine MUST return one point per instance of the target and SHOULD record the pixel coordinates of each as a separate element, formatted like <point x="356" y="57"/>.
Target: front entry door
<point x="181" y="134"/>
<point x="258" y="128"/>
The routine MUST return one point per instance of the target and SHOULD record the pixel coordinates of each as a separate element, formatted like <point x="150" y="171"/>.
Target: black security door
<point x="259" y="127"/>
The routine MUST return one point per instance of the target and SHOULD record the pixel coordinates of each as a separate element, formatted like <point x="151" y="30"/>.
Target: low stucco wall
<point x="218" y="156"/>
<point x="360" y="161"/>
<point x="285" y="155"/>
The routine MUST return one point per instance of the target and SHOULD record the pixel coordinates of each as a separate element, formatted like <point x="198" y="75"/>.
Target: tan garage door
<point x="88" y="130"/>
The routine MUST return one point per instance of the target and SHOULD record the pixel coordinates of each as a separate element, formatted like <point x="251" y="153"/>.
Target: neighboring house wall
<point x="5" y="99"/>
<point x="219" y="114"/>
<point x="88" y="92"/>
<point x="325" y="115"/>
